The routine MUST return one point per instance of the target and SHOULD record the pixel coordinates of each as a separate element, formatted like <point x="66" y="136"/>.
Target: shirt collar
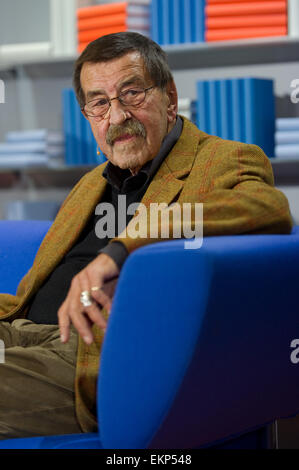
<point x="124" y="181"/>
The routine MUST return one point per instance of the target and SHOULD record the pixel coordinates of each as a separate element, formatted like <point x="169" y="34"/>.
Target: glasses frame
<point x="119" y="98"/>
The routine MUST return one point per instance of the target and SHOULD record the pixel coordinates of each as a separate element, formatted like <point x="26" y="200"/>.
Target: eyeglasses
<point x="99" y="107"/>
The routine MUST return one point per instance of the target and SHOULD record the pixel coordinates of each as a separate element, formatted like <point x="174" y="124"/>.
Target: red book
<point x="243" y="33"/>
<point x="247" y="8"/>
<point x="101" y="21"/>
<point x="92" y="34"/>
<point x="106" y="9"/>
<point x="221" y="22"/>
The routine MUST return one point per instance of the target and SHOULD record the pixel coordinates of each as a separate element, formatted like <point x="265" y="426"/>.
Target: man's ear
<point x="172" y="108"/>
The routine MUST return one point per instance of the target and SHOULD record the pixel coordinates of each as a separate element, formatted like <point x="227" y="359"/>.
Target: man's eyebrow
<point x="134" y="80"/>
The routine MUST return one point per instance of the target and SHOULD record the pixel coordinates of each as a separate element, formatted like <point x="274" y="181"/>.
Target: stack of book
<point x="241" y="109"/>
<point x="287" y="138"/>
<point x="80" y="144"/>
<point x="37" y="147"/>
<point x="240" y="19"/>
<point x="177" y="21"/>
<point x="187" y="108"/>
<point x="99" y="20"/>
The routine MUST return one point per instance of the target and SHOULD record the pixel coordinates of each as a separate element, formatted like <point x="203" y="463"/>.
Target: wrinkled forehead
<point x="100" y="77"/>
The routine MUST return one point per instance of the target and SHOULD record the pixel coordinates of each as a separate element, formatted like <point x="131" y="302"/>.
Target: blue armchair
<point x="198" y="347"/>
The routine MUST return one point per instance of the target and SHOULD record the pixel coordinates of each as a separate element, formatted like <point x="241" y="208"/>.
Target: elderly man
<point x="54" y="326"/>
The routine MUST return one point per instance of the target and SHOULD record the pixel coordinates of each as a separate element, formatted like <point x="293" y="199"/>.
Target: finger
<point x="64" y="323"/>
<point x="101" y="297"/>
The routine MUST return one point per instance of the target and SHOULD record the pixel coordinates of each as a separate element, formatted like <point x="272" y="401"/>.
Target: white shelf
<point x="188" y="56"/>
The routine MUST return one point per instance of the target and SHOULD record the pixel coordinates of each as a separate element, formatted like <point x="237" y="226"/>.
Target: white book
<point x="287" y="137"/>
<point x="287" y="124"/>
<point x="293" y="18"/>
<point x="24" y="160"/>
<point x="287" y="152"/>
<point x="138" y="22"/>
<point x="31" y="147"/>
<point x="51" y="137"/>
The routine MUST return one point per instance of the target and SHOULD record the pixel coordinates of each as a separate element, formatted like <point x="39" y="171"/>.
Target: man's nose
<point x="117" y="114"/>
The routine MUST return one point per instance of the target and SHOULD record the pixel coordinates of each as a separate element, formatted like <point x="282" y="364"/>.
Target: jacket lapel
<point x="167" y="183"/>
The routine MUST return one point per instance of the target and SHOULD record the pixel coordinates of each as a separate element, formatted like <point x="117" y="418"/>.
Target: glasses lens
<point x="132" y="97"/>
<point x="97" y="107"/>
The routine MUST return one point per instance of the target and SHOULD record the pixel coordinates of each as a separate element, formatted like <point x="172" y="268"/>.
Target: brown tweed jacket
<point x="234" y="181"/>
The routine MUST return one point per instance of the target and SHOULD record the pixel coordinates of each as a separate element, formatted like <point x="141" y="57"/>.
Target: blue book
<point x="175" y="15"/>
<point x="237" y="106"/>
<point x="259" y="113"/>
<point x="188" y="21"/>
<point x="203" y="108"/>
<point x="154" y="21"/>
<point x="165" y="14"/>
<point x="225" y="109"/>
<point x="68" y="128"/>
<point x="198" y="20"/>
<point x="214" y="101"/>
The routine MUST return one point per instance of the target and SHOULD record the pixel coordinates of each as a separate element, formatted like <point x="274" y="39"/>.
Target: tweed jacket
<point x="234" y="181"/>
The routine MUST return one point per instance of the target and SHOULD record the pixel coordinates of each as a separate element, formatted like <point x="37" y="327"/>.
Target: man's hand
<point x="98" y="278"/>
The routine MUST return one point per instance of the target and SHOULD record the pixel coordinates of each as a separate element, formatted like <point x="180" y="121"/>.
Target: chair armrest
<point x="19" y="242"/>
<point x="197" y="348"/>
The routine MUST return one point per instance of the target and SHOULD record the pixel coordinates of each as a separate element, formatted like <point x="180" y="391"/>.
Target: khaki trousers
<point x="37" y="374"/>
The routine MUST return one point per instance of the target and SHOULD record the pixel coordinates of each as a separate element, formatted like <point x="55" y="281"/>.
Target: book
<point x="80" y="144"/>
<point x="135" y="8"/>
<point x="246" y="8"/>
<point x="237" y="106"/>
<point x="31" y="147"/>
<point x="49" y="136"/>
<point x="226" y="121"/>
<point x="293" y="18"/>
<point x="219" y="22"/>
<point x="287" y="137"/>
<point x="23" y="160"/>
<point x="289" y="124"/>
<point x="155" y="26"/>
<point x="68" y="127"/>
<point x="242" y="33"/>
<point x="101" y="21"/>
<point x="197" y="20"/>
<point x="203" y="106"/>
<point x="92" y="34"/>
<point x="259" y="113"/>
<point x="113" y="20"/>
<point x="287" y="152"/>
<point x="240" y="109"/>
<point x="177" y="21"/>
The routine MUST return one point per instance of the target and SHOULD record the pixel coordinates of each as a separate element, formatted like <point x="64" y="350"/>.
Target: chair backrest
<point x="19" y="242"/>
<point x="198" y="344"/>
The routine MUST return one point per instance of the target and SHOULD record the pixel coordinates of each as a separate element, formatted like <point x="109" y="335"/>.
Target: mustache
<point x="130" y="127"/>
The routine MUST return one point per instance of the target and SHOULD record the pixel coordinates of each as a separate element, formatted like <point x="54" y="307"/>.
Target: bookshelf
<point x="182" y="56"/>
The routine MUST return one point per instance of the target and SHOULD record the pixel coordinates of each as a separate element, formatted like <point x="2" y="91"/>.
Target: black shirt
<point x="120" y="182"/>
